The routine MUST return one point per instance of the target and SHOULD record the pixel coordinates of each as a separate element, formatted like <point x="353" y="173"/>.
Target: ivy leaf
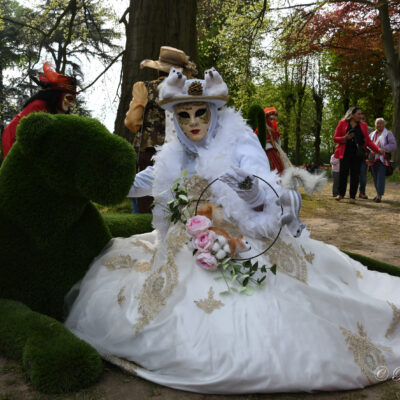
<point x="273" y="269"/>
<point x="245" y="281"/>
<point x="263" y="269"/>
<point x="247" y="264"/>
<point x="249" y="291"/>
<point x="184" y="198"/>
<point x="261" y="280"/>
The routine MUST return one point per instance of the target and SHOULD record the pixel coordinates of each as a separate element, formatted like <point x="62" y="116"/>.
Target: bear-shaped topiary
<point x="49" y="233"/>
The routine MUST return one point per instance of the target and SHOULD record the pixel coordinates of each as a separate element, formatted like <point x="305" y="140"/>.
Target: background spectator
<point x="351" y="137"/>
<point x="335" y="162"/>
<point x="385" y="140"/>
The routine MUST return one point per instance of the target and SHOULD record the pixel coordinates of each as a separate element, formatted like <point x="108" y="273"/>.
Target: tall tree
<point x="356" y="30"/>
<point x="150" y="24"/>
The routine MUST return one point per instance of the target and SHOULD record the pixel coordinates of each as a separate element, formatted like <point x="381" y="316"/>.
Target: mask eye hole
<point x="184" y="114"/>
<point x="200" y="112"/>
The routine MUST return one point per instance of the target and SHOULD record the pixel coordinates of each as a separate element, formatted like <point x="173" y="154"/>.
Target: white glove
<point x="245" y="185"/>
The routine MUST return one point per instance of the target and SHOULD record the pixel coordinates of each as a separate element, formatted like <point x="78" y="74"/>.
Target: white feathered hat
<point x="176" y="89"/>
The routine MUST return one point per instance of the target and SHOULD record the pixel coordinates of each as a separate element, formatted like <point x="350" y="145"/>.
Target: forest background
<point x="311" y="61"/>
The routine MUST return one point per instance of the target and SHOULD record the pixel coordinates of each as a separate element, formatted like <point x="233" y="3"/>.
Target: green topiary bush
<point x="125" y="225"/>
<point x="50" y="232"/>
<point x="256" y="119"/>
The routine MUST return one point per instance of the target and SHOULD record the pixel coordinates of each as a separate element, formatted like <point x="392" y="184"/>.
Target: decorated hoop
<point x="280" y="229"/>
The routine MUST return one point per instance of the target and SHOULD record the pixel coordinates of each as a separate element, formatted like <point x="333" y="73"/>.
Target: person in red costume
<point x="56" y="96"/>
<point x="273" y="138"/>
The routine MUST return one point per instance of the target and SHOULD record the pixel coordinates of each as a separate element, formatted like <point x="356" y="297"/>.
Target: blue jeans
<point x="135" y="208"/>
<point x="379" y="174"/>
<point x="363" y="177"/>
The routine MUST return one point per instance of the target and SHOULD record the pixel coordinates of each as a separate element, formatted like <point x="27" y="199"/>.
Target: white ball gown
<point x="323" y="322"/>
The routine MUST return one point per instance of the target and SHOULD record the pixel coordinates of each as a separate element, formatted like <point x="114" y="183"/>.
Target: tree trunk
<point x="300" y="96"/>
<point x="393" y="68"/>
<point x="2" y="103"/>
<point x="319" y="106"/>
<point x="152" y="24"/>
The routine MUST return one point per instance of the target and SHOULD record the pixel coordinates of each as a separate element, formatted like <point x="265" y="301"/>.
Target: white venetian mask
<point x="194" y="119"/>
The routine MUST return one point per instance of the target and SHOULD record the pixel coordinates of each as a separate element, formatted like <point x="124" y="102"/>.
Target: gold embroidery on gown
<point x="120" y="297"/>
<point x="159" y="285"/>
<point x="359" y="274"/>
<point x="127" y="262"/>
<point x="209" y="304"/>
<point x="366" y="354"/>
<point x="119" y="262"/>
<point x="308" y="256"/>
<point x="395" y="320"/>
<point x="289" y="260"/>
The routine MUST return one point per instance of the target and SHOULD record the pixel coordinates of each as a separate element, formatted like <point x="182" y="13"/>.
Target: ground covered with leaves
<point x="366" y="228"/>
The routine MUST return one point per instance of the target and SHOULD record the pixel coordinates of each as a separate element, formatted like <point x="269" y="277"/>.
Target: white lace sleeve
<point x="143" y="184"/>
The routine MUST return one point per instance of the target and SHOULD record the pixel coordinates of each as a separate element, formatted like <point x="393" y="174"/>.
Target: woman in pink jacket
<point x="352" y="138"/>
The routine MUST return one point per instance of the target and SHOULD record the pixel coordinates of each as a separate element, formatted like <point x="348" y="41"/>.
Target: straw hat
<point x="171" y="57"/>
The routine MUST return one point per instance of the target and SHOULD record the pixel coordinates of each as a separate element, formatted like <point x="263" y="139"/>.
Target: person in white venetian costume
<point x="323" y="322"/>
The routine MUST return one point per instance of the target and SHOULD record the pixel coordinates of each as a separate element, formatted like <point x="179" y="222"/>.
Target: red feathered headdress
<point x="57" y="81"/>
<point x="270" y="110"/>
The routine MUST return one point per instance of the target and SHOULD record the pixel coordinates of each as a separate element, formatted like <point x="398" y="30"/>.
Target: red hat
<point x="54" y="80"/>
<point x="270" y="110"/>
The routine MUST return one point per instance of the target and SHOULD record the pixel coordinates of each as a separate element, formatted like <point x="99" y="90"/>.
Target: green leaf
<point x="194" y="251"/>
<point x="273" y="269"/>
<point x="247" y="264"/>
<point x="260" y="280"/>
<point x="249" y="291"/>
<point x="263" y="269"/>
<point x="245" y="282"/>
<point x="255" y="266"/>
<point x="184" y="198"/>
<point x="184" y="173"/>
<point x="224" y="293"/>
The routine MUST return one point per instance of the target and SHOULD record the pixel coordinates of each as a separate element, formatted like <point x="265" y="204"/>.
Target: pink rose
<point x="196" y="225"/>
<point x="207" y="261"/>
<point x="205" y="241"/>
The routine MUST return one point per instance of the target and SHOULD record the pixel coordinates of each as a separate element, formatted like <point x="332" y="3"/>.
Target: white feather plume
<point x="294" y="177"/>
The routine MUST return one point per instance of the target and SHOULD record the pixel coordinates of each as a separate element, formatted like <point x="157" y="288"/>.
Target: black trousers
<point x="349" y="163"/>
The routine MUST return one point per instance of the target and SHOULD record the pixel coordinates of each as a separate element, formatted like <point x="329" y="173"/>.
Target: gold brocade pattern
<point x="308" y="256"/>
<point x="395" y="320"/>
<point x="209" y="304"/>
<point x="366" y="354"/>
<point x="195" y="186"/>
<point x="160" y="284"/>
<point x="289" y="260"/>
<point x="119" y="262"/>
<point x="127" y="262"/>
<point x="120" y="297"/>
